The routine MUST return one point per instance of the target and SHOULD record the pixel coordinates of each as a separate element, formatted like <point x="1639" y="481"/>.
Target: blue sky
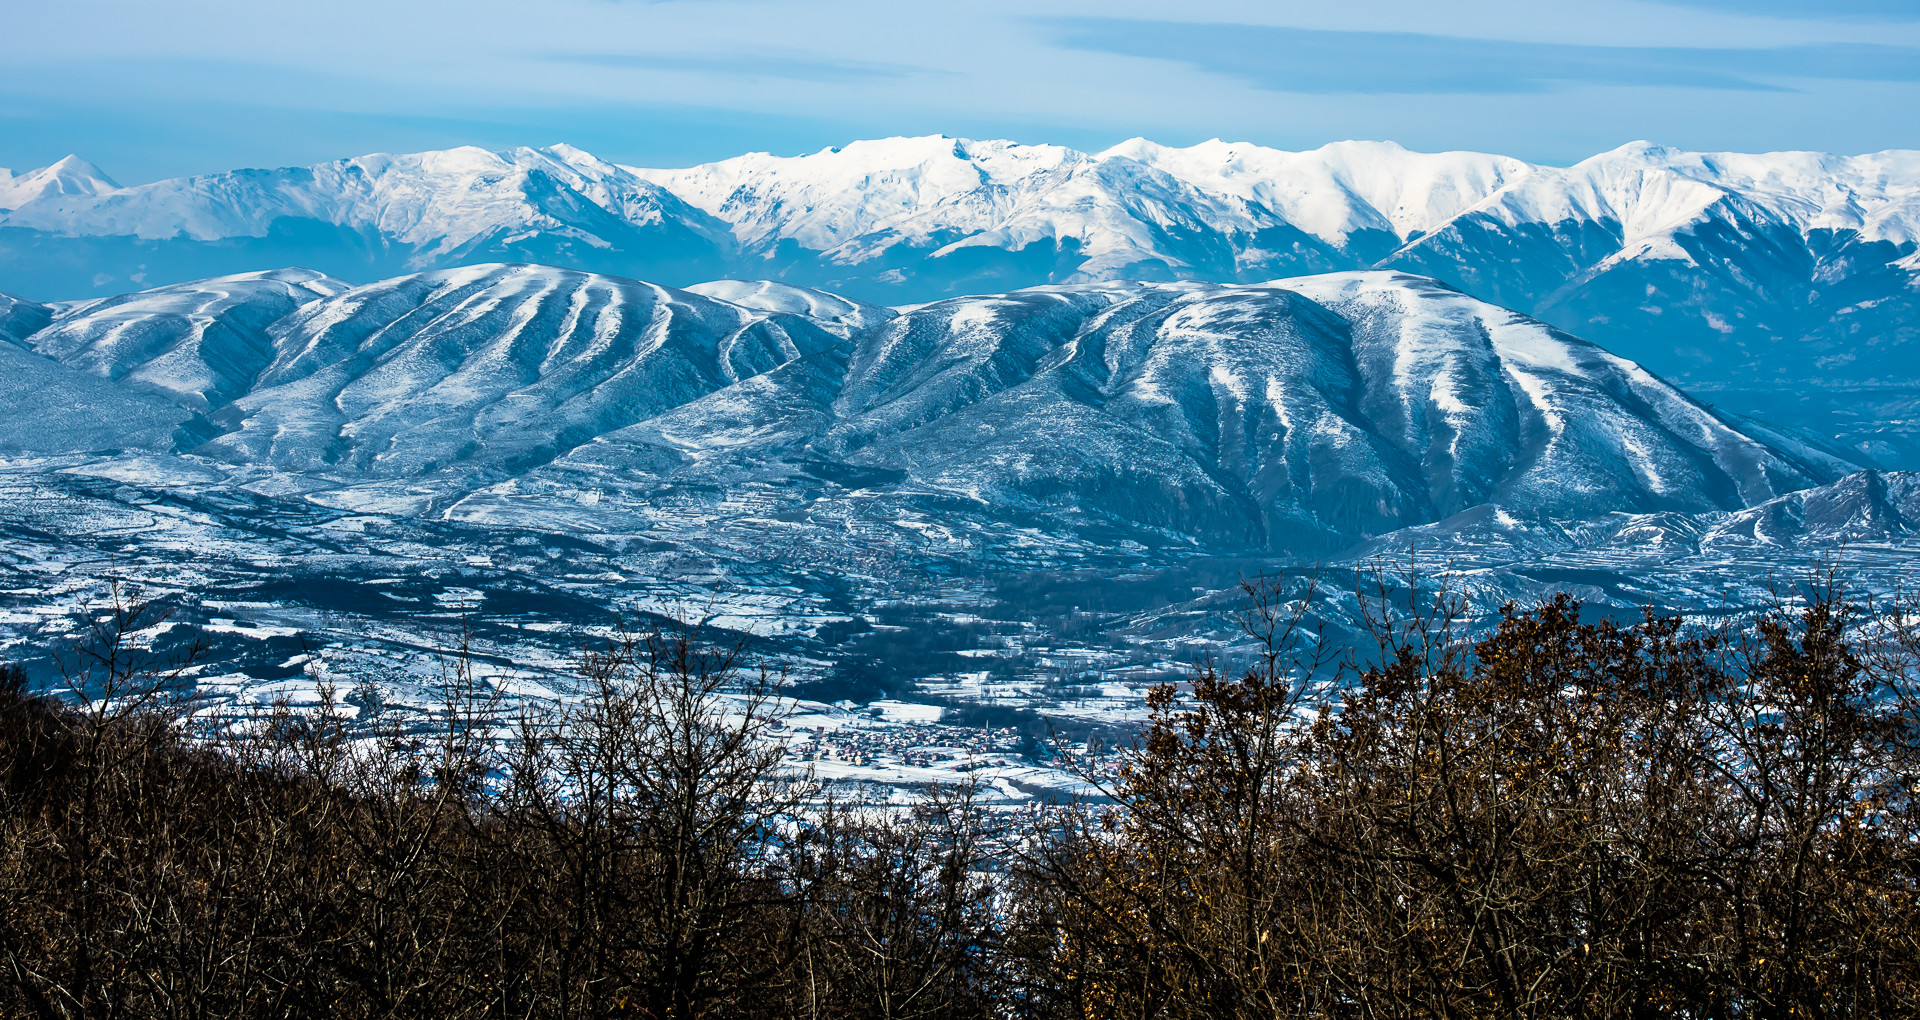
<point x="150" y="90"/>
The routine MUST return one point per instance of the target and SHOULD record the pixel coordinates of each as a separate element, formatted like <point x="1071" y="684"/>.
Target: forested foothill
<point x="1530" y="817"/>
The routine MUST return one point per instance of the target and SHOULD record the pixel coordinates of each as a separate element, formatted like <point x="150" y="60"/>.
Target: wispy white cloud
<point x="759" y="65"/>
<point x="1321" y="62"/>
<point x="150" y="89"/>
<point x="1812" y="10"/>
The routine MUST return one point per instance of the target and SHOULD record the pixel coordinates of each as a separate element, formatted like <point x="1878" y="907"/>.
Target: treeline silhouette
<point x="1554" y="819"/>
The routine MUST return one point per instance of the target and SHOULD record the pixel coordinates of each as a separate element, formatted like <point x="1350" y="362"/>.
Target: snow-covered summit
<point x="910" y="186"/>
<point x="1876" y="194"/>
<point x="1338" y="189"/>
<point x="854" y="204"/>
<point x="1650" y="193"/>
<point x="957" y="200"/>
<point x="366" y="217"/>
<point x="439" y="201"/>
<point x="1710" y="267"/>
<point x="69" y="177"/>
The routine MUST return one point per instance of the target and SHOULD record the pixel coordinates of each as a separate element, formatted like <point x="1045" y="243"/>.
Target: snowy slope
<point x="71" y="177"/>
<point x="937" y="214"/>
<point x="1592" y="427"/>
<point x="366" y="216"/>
<point x="913" y="187"/>
<point x="1869" y="506"/>
<point x="1785" y="284"/>
<point x="201" y="344"/>
<point x="1339" y="190"/>
<point x="853" y="202"/>
<point x="1295" y="415"/>
<point x="1876" y="195"/>
<point x="20" y="318"/>
<point x="1743" y="253"/>
<point x="52" y="409"/>
<point x="434" y="201"/>
<point x="1739" y="271"/>
<point x="1137" y="208"/>
<point x="491" y="369"/>
<point x="764" y="295"/>
<point x="1715" y="267"/>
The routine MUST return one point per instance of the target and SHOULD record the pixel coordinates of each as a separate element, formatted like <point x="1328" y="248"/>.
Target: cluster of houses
<point x="958" y="748"/>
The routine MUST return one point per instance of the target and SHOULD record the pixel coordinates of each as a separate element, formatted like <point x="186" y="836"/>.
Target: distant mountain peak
<point x="73" y="167"/>
<point x="1728" y="268"/>
<point x="66" y="178"/>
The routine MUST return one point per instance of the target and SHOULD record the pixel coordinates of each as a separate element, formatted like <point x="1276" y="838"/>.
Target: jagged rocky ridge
<point x="1297" y="416"/>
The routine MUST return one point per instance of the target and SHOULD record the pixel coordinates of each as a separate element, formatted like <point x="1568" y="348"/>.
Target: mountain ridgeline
<point x="1736" y="271"/>
<point x="1295" y="416"/>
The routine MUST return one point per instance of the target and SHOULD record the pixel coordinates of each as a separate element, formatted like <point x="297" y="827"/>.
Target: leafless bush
<point x="1547" y="819"/>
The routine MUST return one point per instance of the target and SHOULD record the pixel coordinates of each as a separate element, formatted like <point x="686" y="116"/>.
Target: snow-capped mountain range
<point x="1032" y="501"/>
<point x="1298" y="414"/>
<point x="941" y="416"/>
<point x="1770" y="273"/>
